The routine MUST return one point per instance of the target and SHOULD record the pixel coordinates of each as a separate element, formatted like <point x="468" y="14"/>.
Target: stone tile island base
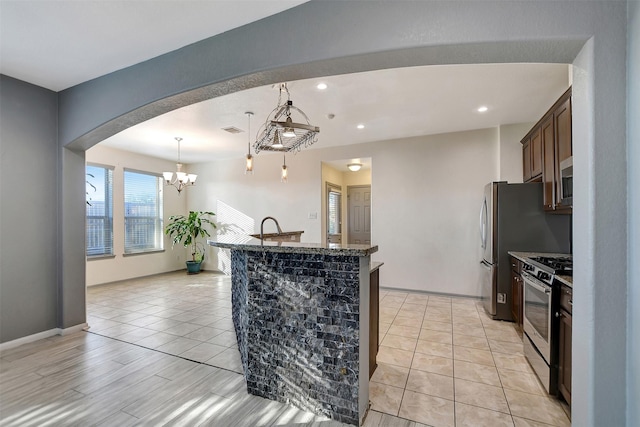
<point x="301" y="319"/>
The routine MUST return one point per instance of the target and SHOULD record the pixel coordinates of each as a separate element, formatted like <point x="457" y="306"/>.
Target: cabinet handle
<point x="558" y="314"/>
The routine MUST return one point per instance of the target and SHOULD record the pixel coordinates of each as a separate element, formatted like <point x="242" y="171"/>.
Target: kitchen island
<point x="301" y="315"/>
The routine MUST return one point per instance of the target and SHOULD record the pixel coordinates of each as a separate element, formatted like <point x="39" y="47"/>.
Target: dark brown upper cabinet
<point x="546" y="145"/>
<point x="526" y="160"/>
<point x="536" y="155"/>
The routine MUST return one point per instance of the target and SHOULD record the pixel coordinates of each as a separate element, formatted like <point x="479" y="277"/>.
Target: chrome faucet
<point x="262" y="225"/>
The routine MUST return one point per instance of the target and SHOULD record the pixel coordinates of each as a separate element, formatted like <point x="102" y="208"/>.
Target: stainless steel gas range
<point x="541" y="304"/>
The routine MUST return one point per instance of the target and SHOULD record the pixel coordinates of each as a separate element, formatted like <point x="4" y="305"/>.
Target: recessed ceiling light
<point x="322" y="86"/>
<point x="360" y="126"/>
<point x="482" y="109"/>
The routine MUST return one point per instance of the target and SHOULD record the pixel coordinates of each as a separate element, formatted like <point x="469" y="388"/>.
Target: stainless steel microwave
<point x="566" y="182"/>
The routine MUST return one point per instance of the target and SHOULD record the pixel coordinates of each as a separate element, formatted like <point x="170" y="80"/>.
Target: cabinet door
<point x="374" y="319"/>
<point x="548" y="164"/>
<point x="562" y="122"/>
<point x="516" y="301"/>
<point x="536" y="154"/>
<point x="526" y="160"/>
<point x="564" y="362"/>
<point x="562" y="117"/>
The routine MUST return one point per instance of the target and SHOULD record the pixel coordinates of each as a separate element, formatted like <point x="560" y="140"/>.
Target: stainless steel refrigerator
<point x="512" y="218"/>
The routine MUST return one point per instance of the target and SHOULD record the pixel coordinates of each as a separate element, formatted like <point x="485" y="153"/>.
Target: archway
<point x="323" y="38"/>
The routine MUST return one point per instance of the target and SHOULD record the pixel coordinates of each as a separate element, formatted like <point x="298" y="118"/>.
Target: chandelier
<point x="280" y="133"/>
<point x="182" y="179"/>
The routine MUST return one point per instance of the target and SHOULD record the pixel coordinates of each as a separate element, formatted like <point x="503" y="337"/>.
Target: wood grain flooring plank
<point x="177" y="370"/>
<point x="153" y="402"/>
<point x="119" y="419"/>
<point x="188" y="401"/>
<point x="95" y="409"/>
<point x="108" y="351"/>
<point x="92" y="385"/>
<point x="57" y="384"/>
<point x="40" y="410"/>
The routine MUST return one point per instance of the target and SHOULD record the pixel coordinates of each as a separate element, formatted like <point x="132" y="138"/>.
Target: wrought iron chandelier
<point x="182" y="179"/>
<point x="280" y="133"/>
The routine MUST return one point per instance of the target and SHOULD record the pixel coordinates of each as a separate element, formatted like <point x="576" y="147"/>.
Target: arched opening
<point x="83" y="126"/>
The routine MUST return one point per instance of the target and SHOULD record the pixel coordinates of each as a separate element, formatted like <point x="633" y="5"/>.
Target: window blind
<point x="143" y="222"/>
<point x="334" y="212"/>
<point x="99" y="214"/>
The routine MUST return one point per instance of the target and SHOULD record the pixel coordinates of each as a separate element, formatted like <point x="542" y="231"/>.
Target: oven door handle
<point x="530" y="280"/>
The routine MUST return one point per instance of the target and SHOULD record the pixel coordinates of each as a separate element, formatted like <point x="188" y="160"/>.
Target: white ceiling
<point x="53" y="44"/>
<point x="60" y="43"/>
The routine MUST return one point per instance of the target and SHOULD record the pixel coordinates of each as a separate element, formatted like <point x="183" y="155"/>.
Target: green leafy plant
<point x="185" y="230"/>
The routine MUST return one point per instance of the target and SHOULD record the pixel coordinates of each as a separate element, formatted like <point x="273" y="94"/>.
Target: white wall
<point x="105" y="270"/>
<point x="426" y="195"/>
<point x="510" y="147"/>
<point x="426" y="198"/>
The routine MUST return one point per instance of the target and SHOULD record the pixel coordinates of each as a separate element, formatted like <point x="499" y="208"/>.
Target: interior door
<point x="334" y="214"/>
<point x="359" y="213"/>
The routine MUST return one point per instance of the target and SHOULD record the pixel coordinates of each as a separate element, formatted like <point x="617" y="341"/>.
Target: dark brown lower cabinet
<point x="374" y="319"/>
<point x="565" y="335"/>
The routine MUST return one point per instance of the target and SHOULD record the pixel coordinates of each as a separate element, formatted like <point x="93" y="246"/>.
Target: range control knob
<point x="544" y="276"/>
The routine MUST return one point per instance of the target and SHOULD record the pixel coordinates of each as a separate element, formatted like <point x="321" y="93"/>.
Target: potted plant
<point x="185" y="230"/>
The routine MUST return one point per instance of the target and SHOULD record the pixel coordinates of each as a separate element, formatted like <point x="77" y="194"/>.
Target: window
<point x="334" y="213"/>
<point x="143" y="224"/>
<point x="99" y="222"/>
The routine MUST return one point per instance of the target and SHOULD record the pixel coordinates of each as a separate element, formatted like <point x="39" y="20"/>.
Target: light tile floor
<point x="442" y="361"/>
<point x="175" y="313"/>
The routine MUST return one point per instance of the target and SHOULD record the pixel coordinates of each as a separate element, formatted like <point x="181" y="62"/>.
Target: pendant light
<point x="283" y="178"/>
<point x="249" y="166"/>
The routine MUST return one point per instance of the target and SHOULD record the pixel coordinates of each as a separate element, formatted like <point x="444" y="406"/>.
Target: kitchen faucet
<point x="262" y="225"/>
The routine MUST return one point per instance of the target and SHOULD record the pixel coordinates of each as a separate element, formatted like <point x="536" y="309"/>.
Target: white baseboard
<point x="41" y="335"/>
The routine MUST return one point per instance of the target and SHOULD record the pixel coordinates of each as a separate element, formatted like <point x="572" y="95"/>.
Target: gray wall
<point x="28" y="209"/>
<point x="322" y="37"/>
<point x="633" y="156"/>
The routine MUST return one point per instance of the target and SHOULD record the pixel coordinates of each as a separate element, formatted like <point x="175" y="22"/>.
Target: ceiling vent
<point x="232" y="129"/>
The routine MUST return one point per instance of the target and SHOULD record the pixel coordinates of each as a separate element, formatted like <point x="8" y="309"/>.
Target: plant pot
<point x="193" y="267"/>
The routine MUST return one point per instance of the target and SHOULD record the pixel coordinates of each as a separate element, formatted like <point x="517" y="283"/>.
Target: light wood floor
<point x="119" y="376"/>
<point x="85" y="379"/>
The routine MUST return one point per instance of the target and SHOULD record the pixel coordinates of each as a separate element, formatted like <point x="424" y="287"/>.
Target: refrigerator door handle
<point x="483" y="225"/>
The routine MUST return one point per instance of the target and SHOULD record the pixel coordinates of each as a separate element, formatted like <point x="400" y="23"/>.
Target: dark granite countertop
<point x="375" y="265"/>
<point x="522" y="256"/>
<point x="248" y="243"/>
<point x="567" y="280"/>
<point x="284" y="233"/>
